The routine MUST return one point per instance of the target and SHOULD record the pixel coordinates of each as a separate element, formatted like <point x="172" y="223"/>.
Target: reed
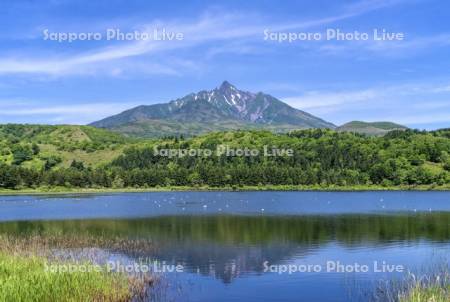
<point x="25" y="273"/>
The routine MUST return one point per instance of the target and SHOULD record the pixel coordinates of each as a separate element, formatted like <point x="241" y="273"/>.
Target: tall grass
<point x="432" y="285"/>
<point x="427" y="289"/>
<point x="26" y="279"/>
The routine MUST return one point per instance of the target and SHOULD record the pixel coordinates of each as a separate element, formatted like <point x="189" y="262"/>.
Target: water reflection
<point x="227" y="247"/>
<point x="223" y="238"/>
<point x="129" y="205"/>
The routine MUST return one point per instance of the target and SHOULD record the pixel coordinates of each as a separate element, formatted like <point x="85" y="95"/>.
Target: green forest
<point x="33" y="157"/>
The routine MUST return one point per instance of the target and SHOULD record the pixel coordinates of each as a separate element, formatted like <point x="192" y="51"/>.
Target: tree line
<point x="320" y="157"/>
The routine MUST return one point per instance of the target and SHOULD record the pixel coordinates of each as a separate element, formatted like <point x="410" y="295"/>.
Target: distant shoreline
<point x="62" y="190"/>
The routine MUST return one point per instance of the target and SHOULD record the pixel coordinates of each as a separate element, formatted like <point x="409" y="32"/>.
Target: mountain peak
<point x="224" y="107"/>
<point x="225" y="86"/>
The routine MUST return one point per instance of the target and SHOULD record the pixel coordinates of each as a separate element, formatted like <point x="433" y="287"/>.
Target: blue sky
<point x="46" y="81"/>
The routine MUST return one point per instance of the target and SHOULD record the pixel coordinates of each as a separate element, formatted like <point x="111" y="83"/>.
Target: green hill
<point x="34" y="156"/>
<point x="370" y="128"/>
<point x="38" y="146"/>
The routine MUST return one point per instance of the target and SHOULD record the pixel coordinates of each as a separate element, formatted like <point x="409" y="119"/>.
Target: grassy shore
<point x="31" y="271"/>
<point x="431" y="285"/>
<point x="26" y="279"/>
<point x="330" y="188"/>
<point x="434" y="287"/>
<point x="428" y="294"/>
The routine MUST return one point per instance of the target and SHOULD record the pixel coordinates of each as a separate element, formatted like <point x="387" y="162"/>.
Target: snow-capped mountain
<point x="222" y="108"/>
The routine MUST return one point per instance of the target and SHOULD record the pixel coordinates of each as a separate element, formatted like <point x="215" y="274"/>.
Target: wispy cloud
<point x="411" y="45"/>
<point x="22" y="110"/>
<point x="317" y="99"/>
<point x="210" y="27"/>
<point x="409" y="103"/>
<point x="418" y="119"/>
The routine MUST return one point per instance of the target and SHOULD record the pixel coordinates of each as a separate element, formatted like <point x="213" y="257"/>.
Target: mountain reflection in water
<point x="230" y="246"/>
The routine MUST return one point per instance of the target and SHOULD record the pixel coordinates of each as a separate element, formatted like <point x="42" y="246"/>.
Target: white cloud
<point x="210" y="27"/>
<point x="316" y="99"/>
<point x="16" y="110"/>
<point x="409" y="103"/>
<point x="415" y="118"/>
<point x="411" y="45"/>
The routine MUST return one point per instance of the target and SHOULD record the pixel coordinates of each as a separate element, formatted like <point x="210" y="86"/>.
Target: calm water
<point x="225" y="241"/>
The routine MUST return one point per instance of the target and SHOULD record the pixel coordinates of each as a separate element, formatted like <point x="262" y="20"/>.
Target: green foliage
<point x="77" y="165"/>
<point x="51" y="162"/>
<point x="21" y="154"/>
<point x="374" y="128"/>
<point x="63" y="137"/>
<point x="35" y="149"/>
<point x="447" y="166"/>
<point x="320" y="158"/>
<point x="8" y="176"/>
<point x="435" y="293"/>
<point x="39" y="146"/>
<point x="305" y="230"/>
<point x="25" y="279"/>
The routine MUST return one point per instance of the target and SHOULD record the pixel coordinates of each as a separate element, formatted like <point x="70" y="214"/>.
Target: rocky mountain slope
<point x="223" y="108"/>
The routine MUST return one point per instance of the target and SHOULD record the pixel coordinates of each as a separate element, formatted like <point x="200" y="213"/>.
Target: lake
<point x="255" y="246"/>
